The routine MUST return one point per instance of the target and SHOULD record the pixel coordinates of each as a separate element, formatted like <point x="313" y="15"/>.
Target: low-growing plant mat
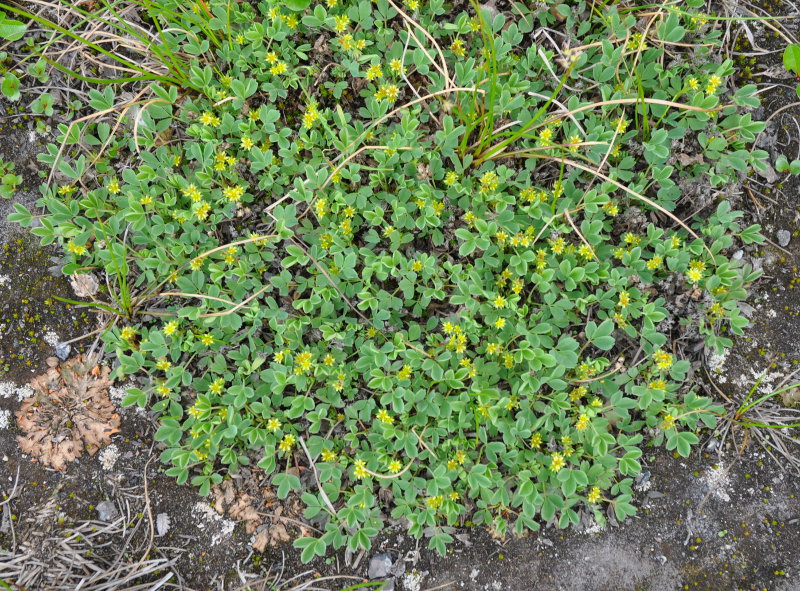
<point x="423" y="319"/>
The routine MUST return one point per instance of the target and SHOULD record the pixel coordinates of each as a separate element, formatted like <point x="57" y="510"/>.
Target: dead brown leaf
<point x="70" y="412"/>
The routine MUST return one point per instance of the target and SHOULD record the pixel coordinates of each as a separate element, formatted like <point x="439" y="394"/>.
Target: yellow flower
<point x="693" y="83"/>
<point x="546" y="135"/>
<point x="287" y="442"/>
<point x="278" y="68"/>
<point x="247" y="143"/>
<point x="202" y="211"/>
<point x="207" y="339"/>
<point x="663" y="359"/>
<point x="113" y="186"/>
<point x="594" y="495"/>
<point x="127" y="333"/>
<point x="233" y="193"/>
<point x="583" y="422"/>
<point x="624" y="299"/>
<point x="341" y="23"/>
<point x="171" y="328"/>
<point x="163" y="391"/>
<point x="453" y="496"/>
<point x="457" y="47"/>
<point x="655" y="263"/>
<point x="374" y="72"/>
<point x="273" y="424"/>
<point x="328" y="455"/>
<point x="146" y="200"/>
<point x="329" y="360"/>
<point x="395" y="466"/>
<point x="396" y="66"/>
<point x="303" y="360"/>
<point x="668" y="423"/>
<point x="163" y="365"/>
<point x="384" y="417"/>
<point x="192" y="192"/>
<point x="404" y="373"/>
<point x="361" y="469"/>
<point x="500" y="323"/>
<point x="557" y="462"/>
<point x="272" y="57"/>
<point x="388" y="231"/>
<point x="499" y="302"/>
<point x="494" y="348"/>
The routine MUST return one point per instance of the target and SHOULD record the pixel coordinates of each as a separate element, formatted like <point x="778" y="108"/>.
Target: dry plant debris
<point x="272" y="528"/>
<point x="69" y="412"/>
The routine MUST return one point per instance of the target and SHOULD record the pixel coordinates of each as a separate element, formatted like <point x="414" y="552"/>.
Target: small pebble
<point x="379" y="566"/>
<point x="106" y="511"/>
<point x="784" y="237"/>
<point x="62" y="350"/>
<point x="52" y="361"/>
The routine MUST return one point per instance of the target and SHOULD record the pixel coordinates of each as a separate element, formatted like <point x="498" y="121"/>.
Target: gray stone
<point x="62" y="350"/>
<point x="106" y="511"/>
<point x="379" y="566"/>
<point x="784" y="237"/>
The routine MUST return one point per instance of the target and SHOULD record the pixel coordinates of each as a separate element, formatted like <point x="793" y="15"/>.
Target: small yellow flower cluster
<point x="632" y="239"/>
<point x="127" y="333"/>
<point x="457" y="47"/>
<point x="162" y="391"/>
<point x="361" y="469"/>
<point x="338" y="385"/>
<point x="655" y="263"/>
<point x="594" y="495"/>
<point x="536" y="441"/>
<point x="494" y="348"/>
<point x="328" y="455"/>
<point x="659" y="385"/>
<point x="532" y="195"/>
<point x="663" y="359"/>
<point x="287" y="442"/>
<point x="247" y="142"/>
<point x="490" y="181"/>
<point x="434" y="502"/>
<point x="66" y="190"/>
<point x="273" y="425"/>
<point x="320" y="206"/>
<point x="395" y="466"/>
<point x="404" y="373"/>
<point x="202" y="210"/>
<point x="557" y="462"/>
<point x="217" y="386"/>
<point x="374" y="72"/>
<point x="233" y="193"/>
<point x="113" y="186"/>
<point x="196" y="264"/>
<point x="578" y="393"/>
<point x="695" y="272"/>
<point x="278" y="68"/>
<point x="388" y="92"/>
<point x="558" y="245"/>
<point x="668" y="423"/>
<point x="583" y="422"/>
<point x="713" y="84"/>
<point x="76" y="249"/>
<point x="508" y="361"/>
<point x="163" y="365"/>
<point x="303" y="361"/>
<point x="692" y="83"/>
<point x="210" y="120"/>
<point x="624" y="299"/>
<point x="384" y="417"/>
<point x="636" y="42"/>
<point x="574" y="142"/>
<point x="328" y="360"/>
<point x="611" y="208"/>
<point x="546" y="136"/>
<point x="207" y="339"/>
<point x="457" y="340"/>
<point x="311" y="116"/>
<point x="499" y="302"/>
<point x="171" y="328"/>
<point x="193" y="193"/>
<point x="280" y="355"/>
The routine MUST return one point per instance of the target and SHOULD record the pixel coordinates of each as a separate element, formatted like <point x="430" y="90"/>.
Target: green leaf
<point x="10" y="87"/>
<point x="311" y="547"/>
<point x="11" y="29"/>
<point x="791" y="58"/>
<point x="297" y="5"/>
